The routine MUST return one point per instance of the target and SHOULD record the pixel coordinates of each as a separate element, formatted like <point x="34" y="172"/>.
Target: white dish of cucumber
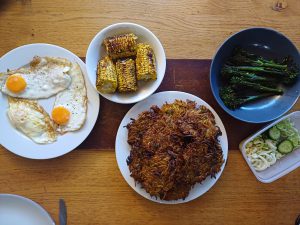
<point x="274" y="151"/>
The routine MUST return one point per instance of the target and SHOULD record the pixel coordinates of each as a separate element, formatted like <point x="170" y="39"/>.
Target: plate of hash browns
<point x="172" y="147"/>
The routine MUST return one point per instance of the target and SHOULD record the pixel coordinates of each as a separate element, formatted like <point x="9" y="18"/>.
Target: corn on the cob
<point x="126" y="75"/>
<point x="121" y="46"/>
<point x="106" y="76"/>
<point x="145" y="62"/>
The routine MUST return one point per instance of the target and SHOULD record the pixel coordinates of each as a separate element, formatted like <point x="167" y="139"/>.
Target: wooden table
<point x="89" y="179"/>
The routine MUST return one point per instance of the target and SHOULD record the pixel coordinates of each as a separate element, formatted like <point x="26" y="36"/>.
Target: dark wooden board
<point x="185" y="75"/>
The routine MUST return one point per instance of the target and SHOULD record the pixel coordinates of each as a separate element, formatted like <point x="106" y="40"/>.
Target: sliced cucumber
<point x="295" y="139"/>
<point x="274" y="133"/>
<point x="285" y="147"/>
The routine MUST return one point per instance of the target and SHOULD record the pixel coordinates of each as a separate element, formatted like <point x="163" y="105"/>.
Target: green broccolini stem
<point x="236" y="81"/>
<point x="230" y="71"/>
<point x="277" y="66"/>
<point x="233" y="100"/>
<point x="259" y="69"/>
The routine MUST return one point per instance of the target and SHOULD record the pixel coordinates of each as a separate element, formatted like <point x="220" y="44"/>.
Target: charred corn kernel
<point x="121" y="46"/>
<point x="106" y="76"/>
<point x="126" y="75"/>
<point x="145" y="62"/>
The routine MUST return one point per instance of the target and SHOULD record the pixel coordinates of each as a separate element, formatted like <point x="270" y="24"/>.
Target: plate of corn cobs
<point x="128" y="67"/>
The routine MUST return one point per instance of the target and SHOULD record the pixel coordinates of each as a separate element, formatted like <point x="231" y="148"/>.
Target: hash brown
<point x="173" y="148"/>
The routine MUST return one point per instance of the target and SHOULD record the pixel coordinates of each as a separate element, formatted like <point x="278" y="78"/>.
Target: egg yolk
<point x="15" y="83"/>
<point x="60" y="115"/>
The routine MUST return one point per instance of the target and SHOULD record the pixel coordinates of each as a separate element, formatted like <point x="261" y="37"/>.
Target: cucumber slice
<point x="274" y="133"/>
<point x="285" y="147"/>
<point x="295" y="139"/>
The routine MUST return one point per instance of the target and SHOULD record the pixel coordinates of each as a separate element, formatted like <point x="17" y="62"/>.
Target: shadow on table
<point x="3" y="4"/>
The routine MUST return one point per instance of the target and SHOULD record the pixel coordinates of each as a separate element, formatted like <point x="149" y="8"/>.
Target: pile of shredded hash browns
<point x="173" y="148"/>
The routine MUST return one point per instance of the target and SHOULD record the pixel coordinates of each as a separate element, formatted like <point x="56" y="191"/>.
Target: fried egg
<point x="3" y="77"/>
<point x="70" y="107"/>
<point x="32" y="120"/>
<point x="43" y="78"/>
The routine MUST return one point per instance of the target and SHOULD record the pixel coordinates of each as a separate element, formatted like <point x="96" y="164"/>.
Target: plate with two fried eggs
<point x="47" y="106"/>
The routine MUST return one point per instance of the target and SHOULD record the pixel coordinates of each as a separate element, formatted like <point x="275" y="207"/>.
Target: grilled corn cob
<point x="145" y="62"/>
<point x="106" y="76"/>
<point x="121" y="46"/>
<point x="126" y="75"/>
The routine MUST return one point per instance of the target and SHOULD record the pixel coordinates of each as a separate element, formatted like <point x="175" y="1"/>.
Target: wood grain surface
<point x="187" y="29"/>
<point x="96" y="193"/>
<point x="88" y="178"/>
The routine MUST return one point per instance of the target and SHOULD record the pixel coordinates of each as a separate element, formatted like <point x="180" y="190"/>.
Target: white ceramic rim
<point x="31" y="202"/>
<point x="243" y="144"/>
<point x="121" y="131"/>
<point x="104" y="30"/>
<point x="90" y="92"/>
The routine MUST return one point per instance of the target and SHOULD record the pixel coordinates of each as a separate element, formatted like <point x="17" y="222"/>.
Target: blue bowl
<point x="268" y="43"/>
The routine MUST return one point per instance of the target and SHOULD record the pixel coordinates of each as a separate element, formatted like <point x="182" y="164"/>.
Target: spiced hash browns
<point x="173" y="148"/>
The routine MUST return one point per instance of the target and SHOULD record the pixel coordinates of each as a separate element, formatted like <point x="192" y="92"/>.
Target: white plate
<point x="96" y="51"/>
<point x="123" y="148"/>
<point x="15" y="141"/>
<point x="17" y="210"/>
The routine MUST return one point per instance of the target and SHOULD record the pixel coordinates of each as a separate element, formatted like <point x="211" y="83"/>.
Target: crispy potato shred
<point x="173" y="148"/>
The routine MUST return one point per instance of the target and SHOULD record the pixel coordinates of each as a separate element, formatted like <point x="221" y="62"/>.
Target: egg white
<point x="32" y="120"/>
<point x="74" y="99"/>
<point x="44" y="78"/>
